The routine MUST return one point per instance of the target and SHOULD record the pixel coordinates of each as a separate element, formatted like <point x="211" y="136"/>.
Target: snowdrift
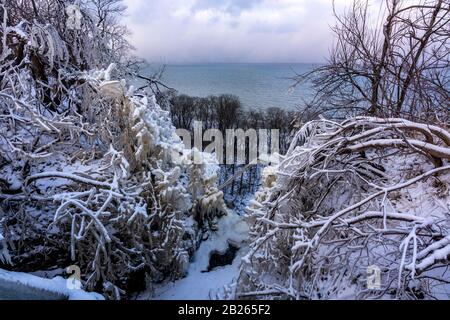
<point x="23" y="286"/>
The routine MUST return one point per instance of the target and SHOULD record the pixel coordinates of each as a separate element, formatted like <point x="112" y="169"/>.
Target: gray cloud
<point x="234" y="7"/>
<point x="183" y="31"/>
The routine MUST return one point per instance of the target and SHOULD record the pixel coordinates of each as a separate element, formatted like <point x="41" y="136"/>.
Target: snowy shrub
<point x="90" y="167"/>
<point x="349" y="202"/>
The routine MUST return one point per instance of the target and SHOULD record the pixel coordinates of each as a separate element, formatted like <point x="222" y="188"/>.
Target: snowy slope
<point x="198" y="285"/>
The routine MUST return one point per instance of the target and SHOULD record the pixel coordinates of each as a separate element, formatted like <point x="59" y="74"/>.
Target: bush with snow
<point x="90" y="167"/>
<point x="349" y="198"/>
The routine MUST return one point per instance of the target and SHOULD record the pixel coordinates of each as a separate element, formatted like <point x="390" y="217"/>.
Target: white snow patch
<point x="198" y="285"/>
<point x="18" y="285"/>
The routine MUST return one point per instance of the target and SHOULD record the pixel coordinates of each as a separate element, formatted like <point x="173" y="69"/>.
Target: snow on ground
<point x="24" y="286"/>
<point x="198" y="285"/>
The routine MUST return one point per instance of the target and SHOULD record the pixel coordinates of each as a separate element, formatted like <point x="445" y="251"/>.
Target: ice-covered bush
<point x="91" y="172"/>
<point x="358" y="209"/>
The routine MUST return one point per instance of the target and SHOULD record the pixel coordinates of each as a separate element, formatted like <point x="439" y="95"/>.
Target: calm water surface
<point x="257" y="85"/>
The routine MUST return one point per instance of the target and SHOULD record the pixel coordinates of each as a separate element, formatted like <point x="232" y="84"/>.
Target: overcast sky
<point x="208" y="31"/>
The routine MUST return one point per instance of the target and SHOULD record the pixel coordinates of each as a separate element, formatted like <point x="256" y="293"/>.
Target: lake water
<point x="258" y="86"/>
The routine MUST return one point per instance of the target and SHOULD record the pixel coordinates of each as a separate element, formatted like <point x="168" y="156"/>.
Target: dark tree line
<point x="226" y="112"/>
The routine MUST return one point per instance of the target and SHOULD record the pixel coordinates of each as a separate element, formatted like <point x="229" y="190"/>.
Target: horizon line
<point x="204" y="63"/>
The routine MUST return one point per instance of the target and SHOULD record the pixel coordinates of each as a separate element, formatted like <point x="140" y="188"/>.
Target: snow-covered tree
<point x="91" y="171"/>
<point x="348" y="202"/>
